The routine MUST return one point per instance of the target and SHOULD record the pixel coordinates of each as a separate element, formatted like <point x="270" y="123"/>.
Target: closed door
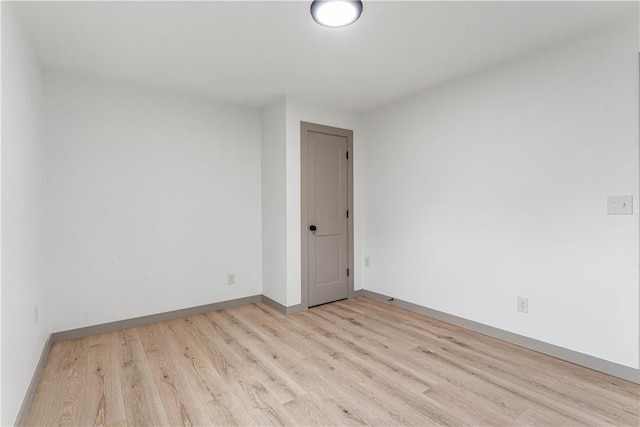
<point x="327" y="214"/>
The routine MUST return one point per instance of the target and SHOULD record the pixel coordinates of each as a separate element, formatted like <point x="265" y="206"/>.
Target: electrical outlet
<point x="231" y="279"/>
<point x="620" y="205"/>
<point x="523" y="304"/>
<point x="366" y="261"/>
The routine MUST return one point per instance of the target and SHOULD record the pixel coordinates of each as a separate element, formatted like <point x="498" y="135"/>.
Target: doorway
<point x="327" y="213"/>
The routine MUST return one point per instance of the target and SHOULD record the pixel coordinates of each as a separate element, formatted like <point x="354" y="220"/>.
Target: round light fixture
<point x="336" y="13"/>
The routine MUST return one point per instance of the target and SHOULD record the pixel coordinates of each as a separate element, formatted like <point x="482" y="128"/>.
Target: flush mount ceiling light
<point x="336" y="13"/>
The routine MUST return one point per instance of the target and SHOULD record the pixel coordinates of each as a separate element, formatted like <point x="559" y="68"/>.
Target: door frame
<point x="304" y="221"/>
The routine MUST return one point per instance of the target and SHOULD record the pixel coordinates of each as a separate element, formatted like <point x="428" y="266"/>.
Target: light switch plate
<point x="620" y="205"/>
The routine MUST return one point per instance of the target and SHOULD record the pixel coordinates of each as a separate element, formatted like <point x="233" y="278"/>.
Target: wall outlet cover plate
<point x="620" y="205"/>
<point x="523" y="304"/>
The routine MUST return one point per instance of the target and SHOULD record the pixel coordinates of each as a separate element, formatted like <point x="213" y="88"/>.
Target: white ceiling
<point x="252" y="52"/>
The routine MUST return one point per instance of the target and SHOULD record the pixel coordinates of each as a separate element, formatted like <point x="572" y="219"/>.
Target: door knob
<point x="313" y="228"/>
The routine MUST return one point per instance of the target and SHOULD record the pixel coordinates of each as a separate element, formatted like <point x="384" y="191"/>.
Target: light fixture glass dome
<point x="336" y="13"/>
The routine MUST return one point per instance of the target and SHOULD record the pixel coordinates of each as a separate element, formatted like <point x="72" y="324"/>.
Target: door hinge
<point x="347" y="213"/>
<point x="347" y="272"/>
<point x="347" y="155"/>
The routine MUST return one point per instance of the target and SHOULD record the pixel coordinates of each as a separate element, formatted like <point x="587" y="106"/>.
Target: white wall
<point x="23" y="265"/>
<point x="153" y="199"/>
<point x="297" y="111"/>
<point x="274" y="202"/>
<point x="495" y="186"/>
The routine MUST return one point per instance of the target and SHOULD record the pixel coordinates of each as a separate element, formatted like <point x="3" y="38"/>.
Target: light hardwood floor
<point x="353" y="362"/>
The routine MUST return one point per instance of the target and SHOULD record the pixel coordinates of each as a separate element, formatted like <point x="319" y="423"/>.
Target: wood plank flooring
<point x="353" y="362"/>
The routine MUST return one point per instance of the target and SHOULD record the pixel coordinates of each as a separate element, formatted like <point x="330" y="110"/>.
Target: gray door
<point x="327" y="187"/>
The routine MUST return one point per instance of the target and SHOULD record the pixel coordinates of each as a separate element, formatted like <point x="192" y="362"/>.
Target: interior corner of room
<point x="123" y="200"/>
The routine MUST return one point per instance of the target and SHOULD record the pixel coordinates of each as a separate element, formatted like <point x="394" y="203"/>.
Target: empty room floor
<point x="353" y="362"/>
